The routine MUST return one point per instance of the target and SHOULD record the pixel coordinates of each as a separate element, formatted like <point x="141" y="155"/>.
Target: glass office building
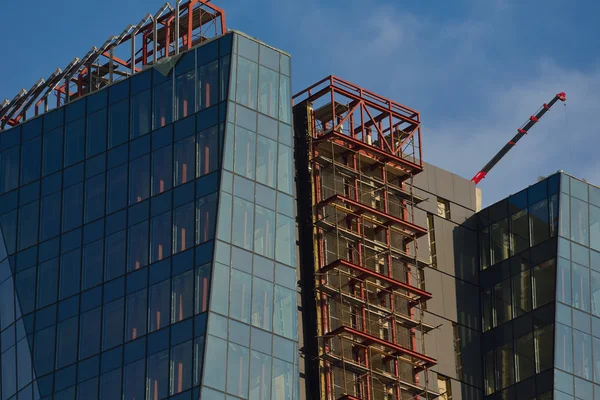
<point x="148" y="234"/>
<point x="540" y="281"/>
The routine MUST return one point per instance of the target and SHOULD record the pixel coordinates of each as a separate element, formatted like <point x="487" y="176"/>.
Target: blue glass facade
<point x="110" y="274"/>
<point x="517" y="247"/>
<point x="577" y="341"/>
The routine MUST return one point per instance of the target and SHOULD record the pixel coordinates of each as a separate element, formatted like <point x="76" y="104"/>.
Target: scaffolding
<point x="356" y="200"/>
<point x="166" y="33"/>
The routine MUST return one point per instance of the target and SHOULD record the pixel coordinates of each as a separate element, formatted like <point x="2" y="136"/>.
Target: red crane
<point x="521" y="131"/>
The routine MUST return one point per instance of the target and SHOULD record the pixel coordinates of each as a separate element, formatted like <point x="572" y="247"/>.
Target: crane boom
<point x="520" y="132"/>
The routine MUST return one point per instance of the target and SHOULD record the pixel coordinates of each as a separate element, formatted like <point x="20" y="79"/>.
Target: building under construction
<point x="357" y="154"/>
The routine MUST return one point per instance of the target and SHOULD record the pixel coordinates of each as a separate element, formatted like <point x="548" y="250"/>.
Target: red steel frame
<point x="198" y="20"/>
<point x="370" y="119"/>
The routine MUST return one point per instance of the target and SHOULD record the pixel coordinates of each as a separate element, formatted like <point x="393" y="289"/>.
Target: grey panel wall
<point x="454" y="308"/>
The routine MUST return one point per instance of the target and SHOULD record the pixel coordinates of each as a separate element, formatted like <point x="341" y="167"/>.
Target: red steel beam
<point x="395" y="348"/>
<point x="362" y="208"/>
<point x="376" y="275"/>
<point x="385" y="156"/>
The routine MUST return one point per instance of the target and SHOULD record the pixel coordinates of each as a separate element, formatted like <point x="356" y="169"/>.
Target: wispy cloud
<point x="462" y="74"/>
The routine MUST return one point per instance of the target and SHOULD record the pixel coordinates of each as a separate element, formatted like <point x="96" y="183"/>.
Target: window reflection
<point x="158" y="375"/>
<point x="240" y="300"/>
<point x="137" y="246"/>
<point x="208" y="151"/>
<point x="94" y="198"/>
<point x="9" y="167"/>
<point x="140" y="111"/>
<point x="260" y="372"/>
<point x="579" y="221"/>
<point x="162" y="170"/>
<point x="118" y="123"/>
<point x="564" y="353"/>
<point x="92" y="264"/>
<point x="268" y="93"/>
<point x="220" y="298"/>
<point x="215" y="376"/>
<point x="563" y="287"/>
<point x="183" y="296"/>
<point x="264" y="232"/>
<point x="285" y="178"/>
<point x="139" y="179"/>
<point x="160" y="237"/>
<point x="243" y="223"/>
<point x="202" y="282"/>
<point x="115" y="255"/>
<point x="53" y="151"/>
<point x="580" y="287"/>
<point x="183" y="228"/>
<point x="266" y="161"/>
<point x="262" y="304"/>
<point x="181" y="367"/>
<point x="74" y="142"/>
<point x="116" y="196"/>
<point x="284" y="316"/>
<point x="500" y="241"/>
<point x="198" y="359"/>
<point x="285" y="249"/>
<point x="89" y="338"/>
<point x="28" y="225"/>
<point x="163" y="104"/>
<point x="160" y="303"/>
<point x="206" y="209"/>
<point x="285" y="100"/>
<point x="134" y="381"/>
<point x="582" y="355"/>
<point x="70" y="268"/>
<point x="185" y="95"/>
<point x="505" y="366"/>
<point x="73" y="202"/>
<point x="283" y="380"/>
<point x="136" y="315"/>
<point x="237" y="378"/>
<point x="245" y="152"/>
<point x="96" y="133"/>
<point x="208" y="84"/>
<point x="113" y="324"/>
<point x="247" y="82"/>
<point x="519" y="231"/>
<point x="184" y="160"/>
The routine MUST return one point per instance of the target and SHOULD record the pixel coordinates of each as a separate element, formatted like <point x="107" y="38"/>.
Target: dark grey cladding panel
<point x="444" y="184"/>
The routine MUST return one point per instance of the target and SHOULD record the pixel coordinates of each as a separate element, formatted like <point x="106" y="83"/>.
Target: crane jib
<point x="521" y="132"/>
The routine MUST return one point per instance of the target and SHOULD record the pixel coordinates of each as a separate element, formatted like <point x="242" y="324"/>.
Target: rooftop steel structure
<point x="170" y="30"/>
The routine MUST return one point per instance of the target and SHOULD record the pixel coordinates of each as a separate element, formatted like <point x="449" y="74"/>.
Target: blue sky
<point x="475" y="69"/>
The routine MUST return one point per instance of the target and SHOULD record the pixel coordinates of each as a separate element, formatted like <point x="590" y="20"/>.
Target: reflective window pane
<point x="580" y="287"/>
<point x="96" y="133"/>
<point x="243" y="223"/>
<point x="247" y="82"/>
<point x="183" y="228"/>
<point x="163" y="104"/>
<point x="30" y="161"/>
<point x="137" y="245"/>
<point x="113" y="324"/>
<point x="582" y="355"/>
<point x="118" y="123"/>
<point x="183" y="296"/>
<point x="522" y="293"/>
<point x="245" y="152"/>
<point x="266" y="161"/>
<point x="74" y="142"/>
<point x="208" y="151"/>
<point x="285" y="249"/>
<point x="140" y="114"/>
<point x="202" y="284"/>
<point x="116" y="194"/>
<point x="216" y="375"/>
<point x="134" y="381"/>
<point x="162" y="166"/>
<point x="285" y="100"/>
<point x="94" y="198"/>
<point x="181" y="367"/>
<point x="564" y="352"/>
<point x="160" y="237"/>
<point x="543" y="283"/>
<point x="579" y="221"/>
<point x="208" y="84"/>
<point x="240" y="300"/>
<point x="53" y="151"/>
<point x="185" y="94"/>
<point x="158" y="375"/>
<point x="115" y="255"/>
<point x="206" y="214"/>
<point x="285" y="177"/>
<point x="237" y="378"/>
<point x="139" y="179"/>
<point x="268" y="91"/>
<point x="284" y="313"/>
<point x="283" y="380"/>
<point x="136" y="315"/>
<point x="184" y="160"/>
<point x="262" y="304"/>
<point x="73" y="202"/>
<point x="159" y="305"/>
